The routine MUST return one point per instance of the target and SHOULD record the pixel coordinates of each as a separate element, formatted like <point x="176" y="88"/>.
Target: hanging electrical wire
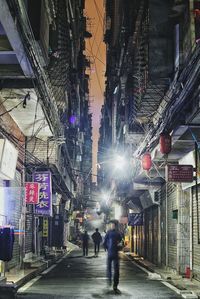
<point x="99" y="14"/>
<point x="96" y="57"/>
<point x="97" y="75"/>
<point x="34" y="58"/>
<point x="10" y="110"/>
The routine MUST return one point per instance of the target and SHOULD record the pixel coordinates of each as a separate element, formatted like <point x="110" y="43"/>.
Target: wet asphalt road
<point x="79" y="277"/>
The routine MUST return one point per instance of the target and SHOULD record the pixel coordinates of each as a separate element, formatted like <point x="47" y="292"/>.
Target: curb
<point x="9" y="290"/>
<point x="150" y="272"/>
<point x="187" y="294"/>
<point x="37" y="271"/>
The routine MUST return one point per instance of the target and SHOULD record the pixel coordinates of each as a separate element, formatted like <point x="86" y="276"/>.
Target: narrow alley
<point x="99" y="146"/>
<point x="84" y="277"/>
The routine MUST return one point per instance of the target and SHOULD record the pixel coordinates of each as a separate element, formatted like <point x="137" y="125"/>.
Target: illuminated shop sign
<point x="31" y="192"/>
<point x="44" y="207"/>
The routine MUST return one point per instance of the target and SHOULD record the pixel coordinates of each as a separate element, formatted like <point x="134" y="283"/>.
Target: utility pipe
<point x="159" y="235"/>
<point x="191" y="232"/>
<point x="166" y="226"/>
<point x="196" y="189"/>
<point x="179" y="208"/>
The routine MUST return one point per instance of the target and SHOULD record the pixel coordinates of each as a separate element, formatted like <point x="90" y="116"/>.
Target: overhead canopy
<point x="31" y="119"/>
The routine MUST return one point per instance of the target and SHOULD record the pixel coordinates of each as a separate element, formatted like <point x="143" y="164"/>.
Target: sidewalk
<point x="16" y="278"/>
<point x="189" y="288"/>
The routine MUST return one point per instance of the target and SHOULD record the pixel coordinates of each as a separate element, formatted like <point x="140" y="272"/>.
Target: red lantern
<point x="165" y="143"/>
<point x="146" y="161"/>
<point x="196" y="12"/>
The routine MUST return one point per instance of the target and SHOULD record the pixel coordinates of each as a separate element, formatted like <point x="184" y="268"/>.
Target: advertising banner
<point x="44" y="207"/>
<point x="31" y="193"/>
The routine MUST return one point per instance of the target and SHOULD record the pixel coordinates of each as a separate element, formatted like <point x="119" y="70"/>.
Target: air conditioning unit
<point x="134" y="207"/>
<point x="150" y="198"/>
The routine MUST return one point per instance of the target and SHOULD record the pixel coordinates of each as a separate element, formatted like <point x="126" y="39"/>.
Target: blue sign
<point x="135" y="219"/>
<point x="44" y="207"/>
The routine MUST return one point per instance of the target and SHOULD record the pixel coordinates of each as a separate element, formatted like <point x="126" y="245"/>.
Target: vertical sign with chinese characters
<point x="44" y="207"/>
<point x="32" y="192"/>
<point x="45" y="231"/>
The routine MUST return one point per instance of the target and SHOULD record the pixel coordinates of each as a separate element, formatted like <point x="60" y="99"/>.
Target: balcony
<point x="49" y="154"/>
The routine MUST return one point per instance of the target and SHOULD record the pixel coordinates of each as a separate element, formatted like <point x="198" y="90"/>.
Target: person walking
<point x="97" y="239"/>
<point x="111" y="244"/>
<point x="85" y="241"/>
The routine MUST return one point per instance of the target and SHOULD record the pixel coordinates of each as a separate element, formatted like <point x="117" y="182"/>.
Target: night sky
<point x="96" y="51"/>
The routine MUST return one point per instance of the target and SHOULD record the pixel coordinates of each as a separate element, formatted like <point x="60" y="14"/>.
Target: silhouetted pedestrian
<point x="97" y="239"/>
<point x="85" y="241"/>
<point x="111" y="244"/>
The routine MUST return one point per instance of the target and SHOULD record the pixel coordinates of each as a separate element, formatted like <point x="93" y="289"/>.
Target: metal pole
<point x="179" y="207"/>
<point x="166" y="226"/>
<point x="159" y="235"/>
<point x="191" y="232"/>
<point x="196" y="189"/>
<point x="131" y="239"/>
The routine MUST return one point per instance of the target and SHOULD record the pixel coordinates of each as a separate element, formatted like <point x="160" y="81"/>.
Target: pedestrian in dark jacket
<point x="97" y="239"/>
<point x="85" y="241"/>
<point x="111" y="244"/>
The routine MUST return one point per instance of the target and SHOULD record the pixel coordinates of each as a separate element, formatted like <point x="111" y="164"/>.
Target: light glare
<point x="119" y="162"/>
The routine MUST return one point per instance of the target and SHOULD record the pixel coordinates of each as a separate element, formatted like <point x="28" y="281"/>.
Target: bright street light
<point x="119" y="162"/>
<point x="105" y="197"/>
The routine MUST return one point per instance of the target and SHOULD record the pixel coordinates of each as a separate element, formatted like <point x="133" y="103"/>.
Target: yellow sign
<point x="45" y="231"/>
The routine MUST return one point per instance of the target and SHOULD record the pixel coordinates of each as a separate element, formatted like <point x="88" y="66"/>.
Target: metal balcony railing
<point x="182" y="91"/>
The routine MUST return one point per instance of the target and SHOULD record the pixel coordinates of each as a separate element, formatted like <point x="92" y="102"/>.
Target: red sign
<point x="180" y="173"/>
<point x="32" y="192"/>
